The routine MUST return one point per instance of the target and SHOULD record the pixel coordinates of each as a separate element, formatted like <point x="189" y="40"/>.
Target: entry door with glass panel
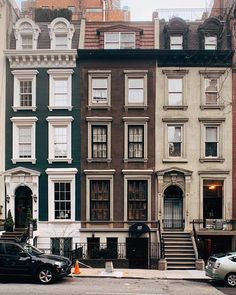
<point x="173" y="208"/>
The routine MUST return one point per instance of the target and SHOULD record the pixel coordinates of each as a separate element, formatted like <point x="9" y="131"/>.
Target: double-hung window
<point x="119" y="40"/>
<point x="135" y="141"/>
<point x="211" y="141"/>
<point x="174" y="141"/>
<point x="61" y="193"/>
<point x="100" y="199"/>
<point x="99" y="89"/>
<point x="61" y="41"/>
<point x="59" y="139"/>
<point x="135" y="149"/>
<point x="135" y="89"/>
<point x="211" y="91"/>
<point x="137" y="199"/>
<point x="176" y="42"/>
<point x="99" y="139"/>
<point x="24" y="90"/>
<point x="210" y="42"/>
<point x="23" y="139"/>
<point x="60" y="89"/>
<point x="175" y="91"/>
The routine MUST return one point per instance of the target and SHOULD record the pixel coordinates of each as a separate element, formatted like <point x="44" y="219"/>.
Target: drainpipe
<point x="104" y="10"/>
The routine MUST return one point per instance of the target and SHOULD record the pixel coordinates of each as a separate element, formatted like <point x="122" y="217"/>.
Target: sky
<point x="142" y="9"/>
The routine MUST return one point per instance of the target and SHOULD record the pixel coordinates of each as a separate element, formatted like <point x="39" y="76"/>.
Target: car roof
<point x="221" y="255"/>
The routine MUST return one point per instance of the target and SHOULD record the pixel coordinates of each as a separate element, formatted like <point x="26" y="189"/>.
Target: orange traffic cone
<point x="76" y="269"/>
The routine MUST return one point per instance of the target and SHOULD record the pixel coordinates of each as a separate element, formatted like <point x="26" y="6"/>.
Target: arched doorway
<point x="23" y="202"/>
<point x="173" y="208"/>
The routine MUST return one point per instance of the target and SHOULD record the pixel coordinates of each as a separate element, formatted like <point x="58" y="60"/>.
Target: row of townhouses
<point x="119" y="138"/>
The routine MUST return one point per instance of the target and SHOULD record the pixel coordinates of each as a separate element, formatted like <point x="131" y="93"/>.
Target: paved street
<point x="110" y="286"/>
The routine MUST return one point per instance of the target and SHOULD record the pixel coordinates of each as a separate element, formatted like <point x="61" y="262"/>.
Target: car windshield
<point x="32" y="250"/>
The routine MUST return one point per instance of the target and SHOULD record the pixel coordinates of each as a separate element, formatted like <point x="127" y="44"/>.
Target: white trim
<point x="59" y="122"/>
<point x="21" y="28"/>
<point x="140" y="176"/>
<point x="58" y="27"/>
<point x="24" y="75"/>
<point x="62" y="74"/>
<point x="23" y="122"/>
<point x="55" y="175"/>
<point x="100" y="172"/>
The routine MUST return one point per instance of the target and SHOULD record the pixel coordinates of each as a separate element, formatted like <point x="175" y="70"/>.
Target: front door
<point x="23" y="205"/>
<point x="173" y="208"/>
<point x="137" y="252"/>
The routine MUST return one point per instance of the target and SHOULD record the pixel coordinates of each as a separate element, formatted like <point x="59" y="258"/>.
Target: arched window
<point x="26" y="34"/>
<point x="61" y="33"/>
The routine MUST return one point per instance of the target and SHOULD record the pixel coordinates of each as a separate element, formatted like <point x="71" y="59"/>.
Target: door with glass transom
<point x="173" y="208"/>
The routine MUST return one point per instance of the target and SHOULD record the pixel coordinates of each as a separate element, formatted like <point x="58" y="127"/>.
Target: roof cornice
<point x="41" y="58"/>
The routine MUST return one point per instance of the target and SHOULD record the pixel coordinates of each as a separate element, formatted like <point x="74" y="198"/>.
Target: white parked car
<point x="222" y="267"/>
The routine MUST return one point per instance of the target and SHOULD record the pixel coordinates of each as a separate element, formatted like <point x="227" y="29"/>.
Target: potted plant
<point x="9" y="223"/>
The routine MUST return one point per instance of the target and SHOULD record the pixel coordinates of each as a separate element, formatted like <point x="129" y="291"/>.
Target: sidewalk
<point x="142" y="273"/>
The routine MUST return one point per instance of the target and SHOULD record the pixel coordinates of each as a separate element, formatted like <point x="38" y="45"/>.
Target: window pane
<point x="27" y="41"/>
<point x="211" y="91"/>
<point x="175" y="92"/>
<point x="176" y="42"/>
<point x="175" y="85"/>
<point x="25" y="142"/>
<point x="135" y="90"/>
<point x="100" y="199"/>
<point x="174" y="141"/>
<point x="61" y="41"/>
<point x="25" y="93"/>
<point x="112" y="37"/>
<point x="137" y="199"/>
<point x="60" y="142"/>
<point x="99" y="89"/>
<point x="60" y="92"/>
<point x="62" y="200"/>
<point x="211" y="134"/>
<point x="99" y="141"/>
<point x="210" y="42"/>
<point x="135" y="141"/>
<point x="211" y="149"/>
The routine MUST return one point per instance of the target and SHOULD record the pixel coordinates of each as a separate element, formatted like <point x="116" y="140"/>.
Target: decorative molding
<point x="99" y="172"/>
<point x="215" y="172"/>
<point x="137" y="172"/>
<point x="175" y="120"/>
<point x="99" y="119"/>
<point x="41" y="58"/>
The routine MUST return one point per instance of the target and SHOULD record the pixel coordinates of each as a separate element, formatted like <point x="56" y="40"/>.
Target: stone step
<point x="176" y="267"/>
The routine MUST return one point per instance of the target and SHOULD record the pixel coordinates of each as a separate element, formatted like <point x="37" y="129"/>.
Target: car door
<point x="15" y="263"/>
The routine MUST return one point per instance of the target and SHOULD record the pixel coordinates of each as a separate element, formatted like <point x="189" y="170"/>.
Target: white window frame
<point x="60" y="74"/>
<point x="119" y="42"/>
<point x="174" y="44"/>
<point x="59" y="122"/>
<point x="23" y="122"/>
<point x="99" y="121"/>
<point x="210" y="45"/>
<point x="137" y="175"/>
<point x="136" y="121"/>
<point x="175" y="122"/>
<point x="99" y="75"/>
<point x="60" y="175"/>
<point x="99" y="175"/>
<point x="216" y="127"/>
<point x="24" y="75"/>
<point x="61" y="27"/>
<point x="211" y="122"/>
<point x="26" y="27"/>
<point x="175" y="74"/>
<point x="135" y="75"/>
<point x="181" y="126"/>
<point x="218" y="75"/>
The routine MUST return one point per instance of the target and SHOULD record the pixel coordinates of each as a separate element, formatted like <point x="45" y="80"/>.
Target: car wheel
<point x="231" y="279"/>
<point x="46" y="275"/>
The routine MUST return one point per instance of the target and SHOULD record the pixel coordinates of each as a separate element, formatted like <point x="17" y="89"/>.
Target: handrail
<point x="195" y="240"/>
<point x="161" y="241"/>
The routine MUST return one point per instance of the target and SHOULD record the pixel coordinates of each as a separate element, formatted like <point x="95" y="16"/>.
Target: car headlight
<point x="58" y="264"/>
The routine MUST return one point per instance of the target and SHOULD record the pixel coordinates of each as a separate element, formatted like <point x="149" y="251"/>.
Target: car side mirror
<point x="23" y="254"/>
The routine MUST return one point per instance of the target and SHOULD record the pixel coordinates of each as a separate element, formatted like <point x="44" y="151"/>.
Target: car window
<point x="12" y="249"/>
<point x="233" y="258"/>
<point x="2" y="252"/>
<point x="32" y="250"/>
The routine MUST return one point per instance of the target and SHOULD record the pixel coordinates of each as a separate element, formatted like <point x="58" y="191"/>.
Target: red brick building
<point x="91" y="10"/>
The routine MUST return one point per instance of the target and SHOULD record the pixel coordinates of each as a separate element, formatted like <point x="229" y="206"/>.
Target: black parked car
<point x="22" y="259"/>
